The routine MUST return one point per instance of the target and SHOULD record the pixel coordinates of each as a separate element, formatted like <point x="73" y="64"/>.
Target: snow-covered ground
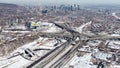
<point x="16" y="62"/>
<point x="114" y="15"/>
<point x="117" y="35"/>
<point x="93" y="43"/>
<point x="19" y="61"/>
<point x="81" y="62"/>
<point x="7" y="31"/>
<point x="113" y="44"/>
<point x="52" y="29"/>
<point x="80" y="29"/>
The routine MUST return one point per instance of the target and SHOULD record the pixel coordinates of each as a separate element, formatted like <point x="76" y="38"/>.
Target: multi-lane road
<point x="57" y="57"/>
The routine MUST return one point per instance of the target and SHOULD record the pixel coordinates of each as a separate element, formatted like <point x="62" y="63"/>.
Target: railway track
<point x="67" y="57"/>
<point x="42" y="61"/>
<point x="53" y="58"/>
<point x="57" y="58"/>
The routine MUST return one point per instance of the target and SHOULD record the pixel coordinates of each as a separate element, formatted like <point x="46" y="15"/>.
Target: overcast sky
<point x="42" y="2"/>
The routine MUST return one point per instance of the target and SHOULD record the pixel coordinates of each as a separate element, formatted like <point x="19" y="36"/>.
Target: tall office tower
<point x="75" y="7"/>
<point x="78" y="7"/>
<point x="71" y="8"/>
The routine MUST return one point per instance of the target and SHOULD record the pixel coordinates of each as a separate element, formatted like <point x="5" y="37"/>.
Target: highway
<point x="67" y="57"/>
<point x="54" y="55"/>
<point x="42" y="61"/>
<point x="57" y="57"/>
<point x="114" y="15"/>
<point x="104" y="37"/>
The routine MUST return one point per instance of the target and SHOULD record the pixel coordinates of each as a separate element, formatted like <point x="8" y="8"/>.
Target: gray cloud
<point x="36" y="2"/>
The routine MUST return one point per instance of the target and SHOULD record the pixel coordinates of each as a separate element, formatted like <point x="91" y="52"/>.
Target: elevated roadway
<point x="56" y="57"/>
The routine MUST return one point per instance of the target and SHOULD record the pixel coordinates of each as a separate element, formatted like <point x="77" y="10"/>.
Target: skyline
<point x="48" y="2"/>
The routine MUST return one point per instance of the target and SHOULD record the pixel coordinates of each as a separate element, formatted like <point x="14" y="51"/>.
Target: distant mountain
<point x="8" y="5"/>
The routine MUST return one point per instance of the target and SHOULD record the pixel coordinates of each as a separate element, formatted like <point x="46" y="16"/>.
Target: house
<point x="103" y="56"/>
